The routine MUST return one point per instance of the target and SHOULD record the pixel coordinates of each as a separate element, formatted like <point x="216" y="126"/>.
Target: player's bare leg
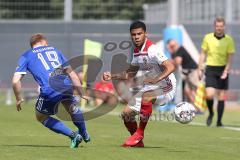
<point x="145" y="113"/>
<point x="189" y="93"/>
<point x="128" y="116"/>
<point x="98" y="102"/>
<point x="40" y="116"/>
<point x="99" y="98"/>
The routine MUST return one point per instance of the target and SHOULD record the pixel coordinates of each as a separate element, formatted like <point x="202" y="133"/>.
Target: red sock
<point x="131" y="126"/>
<point x="145" y="113"/>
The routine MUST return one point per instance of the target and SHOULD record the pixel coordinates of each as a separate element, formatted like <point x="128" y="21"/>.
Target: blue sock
<point x="58" y="127"/>
<point x="78" y="120"/>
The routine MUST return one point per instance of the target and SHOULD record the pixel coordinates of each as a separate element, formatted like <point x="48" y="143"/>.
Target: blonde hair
<point x="219" y="19"/>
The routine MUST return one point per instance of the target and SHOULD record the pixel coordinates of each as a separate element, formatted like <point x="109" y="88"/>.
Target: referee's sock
<point x="220" y="110"/>
<point x="210" y="106"/>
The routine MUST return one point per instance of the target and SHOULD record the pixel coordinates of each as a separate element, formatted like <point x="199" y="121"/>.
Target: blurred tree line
<point x="82" y="9"/>
<point x="31" y="9"/>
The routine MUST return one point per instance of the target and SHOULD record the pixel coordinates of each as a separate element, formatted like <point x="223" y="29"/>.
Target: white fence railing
<point x="194" y="11"/>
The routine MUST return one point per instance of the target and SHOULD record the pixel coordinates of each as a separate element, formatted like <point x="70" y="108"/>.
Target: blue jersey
<point x="46" y="64"/>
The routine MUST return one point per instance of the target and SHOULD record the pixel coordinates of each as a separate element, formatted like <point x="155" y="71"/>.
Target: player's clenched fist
<point x="107" y="76"/>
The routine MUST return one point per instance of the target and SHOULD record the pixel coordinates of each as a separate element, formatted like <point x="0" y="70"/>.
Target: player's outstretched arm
<point x="125" y="75"/>
<point x="168" y="68"/>
<point x="16" y="85"/>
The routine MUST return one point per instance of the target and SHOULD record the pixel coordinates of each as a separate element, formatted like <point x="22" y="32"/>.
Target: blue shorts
<point x="49" y="106"/>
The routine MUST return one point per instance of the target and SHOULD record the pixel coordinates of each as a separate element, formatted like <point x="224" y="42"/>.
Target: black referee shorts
<point x="213" y="77"/>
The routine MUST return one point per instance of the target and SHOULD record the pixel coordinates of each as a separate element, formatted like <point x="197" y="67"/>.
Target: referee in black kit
<point x="218" y="49"/>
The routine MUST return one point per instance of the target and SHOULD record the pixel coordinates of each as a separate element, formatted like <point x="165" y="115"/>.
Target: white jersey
<point x="149" y="60"/>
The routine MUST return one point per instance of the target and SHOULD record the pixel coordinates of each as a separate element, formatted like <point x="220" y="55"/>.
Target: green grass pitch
<point x="23" y="138"/>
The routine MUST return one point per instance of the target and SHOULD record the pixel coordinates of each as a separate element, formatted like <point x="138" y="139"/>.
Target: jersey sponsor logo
<point x="146" y="66"/>
<point x="57" y="72"/>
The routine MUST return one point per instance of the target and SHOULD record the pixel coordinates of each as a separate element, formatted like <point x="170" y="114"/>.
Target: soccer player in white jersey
<point x="158" y="85"/>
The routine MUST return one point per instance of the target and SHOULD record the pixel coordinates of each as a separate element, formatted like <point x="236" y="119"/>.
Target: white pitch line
<point x="192" y="123"/>
<point x="230" y="138"/>
<point x="224" y="127"/>
<point x="232" y="128"/>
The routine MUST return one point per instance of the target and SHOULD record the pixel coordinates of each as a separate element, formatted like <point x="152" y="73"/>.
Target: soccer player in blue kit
<point x="57" y="81"/>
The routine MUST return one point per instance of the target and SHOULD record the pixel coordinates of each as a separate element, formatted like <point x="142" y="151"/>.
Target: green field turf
<point x="23" y="138"/>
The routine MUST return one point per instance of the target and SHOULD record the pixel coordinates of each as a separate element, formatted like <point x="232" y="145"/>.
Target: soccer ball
<point x="184" y="112"/>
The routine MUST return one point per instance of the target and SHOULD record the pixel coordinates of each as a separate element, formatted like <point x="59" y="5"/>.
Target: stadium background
<point x="106" y="21"/>
<point x="67" y="25"/>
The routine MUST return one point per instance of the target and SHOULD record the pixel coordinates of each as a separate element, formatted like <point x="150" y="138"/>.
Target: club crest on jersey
<point x="145" y="62"/>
